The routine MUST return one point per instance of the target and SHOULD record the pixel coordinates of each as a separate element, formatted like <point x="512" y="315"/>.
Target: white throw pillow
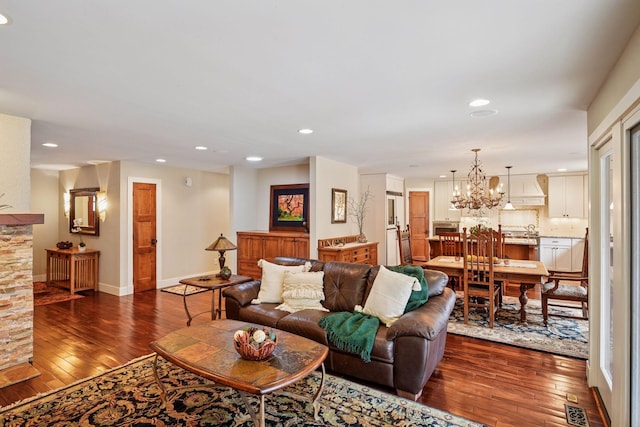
<point x="389" y="295"/>
<point x="302" y="291"/>
<point x="272" y="279"/>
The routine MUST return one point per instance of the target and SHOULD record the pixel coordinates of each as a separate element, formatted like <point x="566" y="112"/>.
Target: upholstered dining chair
<point x="571" y="288"/>
<point x="481" y="292"/>
<point x="404" y="240"/>
<point x="451" y="245"/>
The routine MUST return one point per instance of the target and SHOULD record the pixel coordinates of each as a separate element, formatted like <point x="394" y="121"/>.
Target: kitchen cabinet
<point x="562" y="253"/>
<point x="566" y="196"/>
<point x="442" y="198"/>
<point x="256" y="245"/>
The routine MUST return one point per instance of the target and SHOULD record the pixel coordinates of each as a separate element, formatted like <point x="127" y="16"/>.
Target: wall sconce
<point x="67" y="204"/>
<point x="102" y="205"/>
<point x="222" y="244"/>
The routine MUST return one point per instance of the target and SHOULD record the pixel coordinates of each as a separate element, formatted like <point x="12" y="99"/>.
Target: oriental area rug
<point x="43" y="294"/>
<point x="566" y="337"/>
<point x="129" y="396"/>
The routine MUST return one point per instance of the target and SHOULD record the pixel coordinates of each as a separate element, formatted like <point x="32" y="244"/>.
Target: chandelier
<point x="478" y="195"/>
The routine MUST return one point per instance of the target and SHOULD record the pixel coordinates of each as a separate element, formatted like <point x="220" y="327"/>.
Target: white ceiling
<point x="384" y="84"/>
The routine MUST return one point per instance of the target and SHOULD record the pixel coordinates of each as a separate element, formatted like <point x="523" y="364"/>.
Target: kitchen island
<point x="514" y="247"/>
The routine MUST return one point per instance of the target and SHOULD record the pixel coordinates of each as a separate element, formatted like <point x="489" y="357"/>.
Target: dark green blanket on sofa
<point x="352" y="332"/>
<point x="356" y="332"/>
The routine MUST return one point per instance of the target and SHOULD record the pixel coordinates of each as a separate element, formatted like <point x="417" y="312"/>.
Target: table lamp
<point x="222" y="244"/>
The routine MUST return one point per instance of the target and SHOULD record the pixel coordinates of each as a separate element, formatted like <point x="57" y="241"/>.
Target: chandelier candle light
<point x="478" y="195"/>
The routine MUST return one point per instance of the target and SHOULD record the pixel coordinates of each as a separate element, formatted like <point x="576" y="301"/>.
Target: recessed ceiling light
<point x="479" y="102"/>
<point x="201" y="147"/>
<point x="161" y="161"/>
<point x="253" y="158"/>
<point x="483" y="113"/>
<point x="50" y="144"/>
<point x="3" y="19"/>
<point x="562" y="170"/>
<point x="305" y="131"/>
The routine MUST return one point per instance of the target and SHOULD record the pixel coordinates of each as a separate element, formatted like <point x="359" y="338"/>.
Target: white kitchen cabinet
<point x="443" y="194"/>
<point x="566" y="196"/>
<point x="562" y="253"/>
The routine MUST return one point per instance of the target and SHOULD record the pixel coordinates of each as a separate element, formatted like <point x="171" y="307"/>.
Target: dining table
<point x="528" y="273"/>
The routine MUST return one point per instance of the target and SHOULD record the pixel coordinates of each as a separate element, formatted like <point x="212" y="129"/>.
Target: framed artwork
<point x="289" y="208"/>
<point x="338" y="206"/>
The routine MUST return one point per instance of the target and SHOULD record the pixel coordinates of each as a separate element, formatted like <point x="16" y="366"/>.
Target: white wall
<point x="616" y="102"/>
<point x="190" y="218"/>
<point x="44" y="199"/>
<point x="328" y="174"/>
<point x="15" y="181"/>
<point x="297" y="174"/>
<point x="251" y="196"/>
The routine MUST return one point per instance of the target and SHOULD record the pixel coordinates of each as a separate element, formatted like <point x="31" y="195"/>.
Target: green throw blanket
<point x="356" y="332"/>
<point x="352" y="332"/>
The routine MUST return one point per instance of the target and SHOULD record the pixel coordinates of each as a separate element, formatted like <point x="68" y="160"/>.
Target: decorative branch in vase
<point x="358" y="212"/>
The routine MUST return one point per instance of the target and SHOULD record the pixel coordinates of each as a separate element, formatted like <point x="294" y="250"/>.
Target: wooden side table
<point x="73" y="269"/>
<point x="213" y="284"/>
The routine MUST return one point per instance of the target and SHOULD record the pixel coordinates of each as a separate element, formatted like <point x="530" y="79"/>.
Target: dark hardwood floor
<point x="488" y="382"/>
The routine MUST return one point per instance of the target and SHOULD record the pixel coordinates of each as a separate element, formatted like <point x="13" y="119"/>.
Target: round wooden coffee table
<point x="207" y="350"/>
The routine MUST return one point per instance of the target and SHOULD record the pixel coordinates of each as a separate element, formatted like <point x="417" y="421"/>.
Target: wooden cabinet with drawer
<point x="359" y="253"/>
<point x="256" y="245"/>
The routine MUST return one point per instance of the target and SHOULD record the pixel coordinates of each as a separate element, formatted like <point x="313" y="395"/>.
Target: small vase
<point x="362" y="238"/>
<point x="225" y="273"/>
<point x="82" y="248"/>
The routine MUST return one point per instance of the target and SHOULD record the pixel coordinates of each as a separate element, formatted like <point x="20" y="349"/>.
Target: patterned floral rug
<point x="129" y="396"/>
<point x="43" y="294"/>
<point x="566" y="337"/>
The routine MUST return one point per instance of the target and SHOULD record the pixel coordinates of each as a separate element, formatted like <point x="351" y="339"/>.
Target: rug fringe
<point x="80" y="381"/>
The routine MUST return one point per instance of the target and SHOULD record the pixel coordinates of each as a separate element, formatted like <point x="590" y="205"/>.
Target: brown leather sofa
<point x="404" y="355"/>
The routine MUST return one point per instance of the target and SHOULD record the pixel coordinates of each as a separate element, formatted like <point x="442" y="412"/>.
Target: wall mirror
<point x="83" y="211"/>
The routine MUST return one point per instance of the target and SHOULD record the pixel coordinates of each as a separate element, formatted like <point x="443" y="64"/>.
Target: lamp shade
<point x="221" y="244"/>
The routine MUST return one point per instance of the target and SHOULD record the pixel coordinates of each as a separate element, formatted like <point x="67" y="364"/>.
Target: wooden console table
<point x="72" y="269"/>
<point x="347" y="249"/>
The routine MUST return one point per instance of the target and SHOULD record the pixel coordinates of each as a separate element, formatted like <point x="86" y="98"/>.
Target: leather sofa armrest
<point x="428" y="320"/>
<point x="243" y="293"/>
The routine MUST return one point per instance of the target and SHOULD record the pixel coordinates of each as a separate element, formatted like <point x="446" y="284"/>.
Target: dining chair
<point x="481" y="292"/>
<point x="451" y="245"/>
<point x="404" y="241"/>
<point x="568" y="287"/>
<point x="499" y="252"/>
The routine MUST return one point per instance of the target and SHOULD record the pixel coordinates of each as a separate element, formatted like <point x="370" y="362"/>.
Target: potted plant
<point x="358" y="211"/>
<point x="82" y="246"/>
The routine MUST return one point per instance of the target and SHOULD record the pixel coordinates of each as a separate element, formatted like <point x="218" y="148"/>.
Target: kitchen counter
<point x="515" y="248"/>
<point x="507" y="241"/>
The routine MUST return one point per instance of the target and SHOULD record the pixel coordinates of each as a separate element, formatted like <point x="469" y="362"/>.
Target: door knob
<point x="154" y="241"/>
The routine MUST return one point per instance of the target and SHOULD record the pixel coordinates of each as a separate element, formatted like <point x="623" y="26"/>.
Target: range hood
<point x="525" y="190"/>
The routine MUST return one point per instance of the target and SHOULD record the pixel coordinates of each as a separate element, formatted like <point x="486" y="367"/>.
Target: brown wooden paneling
<point x="256" y="245"/>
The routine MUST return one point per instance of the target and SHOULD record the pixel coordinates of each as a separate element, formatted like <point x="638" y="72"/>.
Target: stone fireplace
<point x="16" y="289"/>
